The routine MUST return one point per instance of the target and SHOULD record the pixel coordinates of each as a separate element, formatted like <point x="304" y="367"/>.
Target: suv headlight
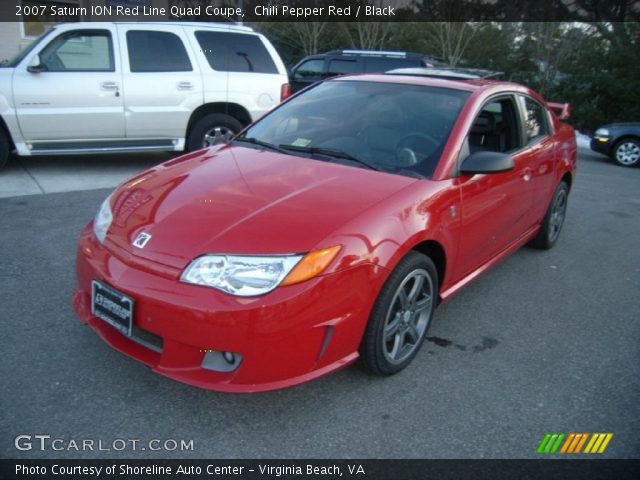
<point x="102" y="220"/>
<point x="247" y="276"/>
<point x="602" y="132"/>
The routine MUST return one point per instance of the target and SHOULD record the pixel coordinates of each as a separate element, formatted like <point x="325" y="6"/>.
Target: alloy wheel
<point x="557" y="215"/>
<point x="628" y="153"/>
<point x="408" y="316"/>
<point x="217" y="135"/>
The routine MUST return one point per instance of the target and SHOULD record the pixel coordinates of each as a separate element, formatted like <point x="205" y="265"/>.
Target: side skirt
<point x="447" y="294"/>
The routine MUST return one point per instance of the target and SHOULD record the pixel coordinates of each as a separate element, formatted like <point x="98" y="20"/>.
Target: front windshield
<point x="391" y="127"/>
<point x="16" y="59"/>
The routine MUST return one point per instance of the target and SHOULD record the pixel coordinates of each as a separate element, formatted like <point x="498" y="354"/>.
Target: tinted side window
<point x="309" y="70"/>
<point x="536" y="124"/>
<point x="341" y="67"/>
<point x="384" y="64"/>
<point x="151" y="51"/>
<point x="79" y="51"/>
<point x="235" y="52"/>
<point x="496" y="128"/>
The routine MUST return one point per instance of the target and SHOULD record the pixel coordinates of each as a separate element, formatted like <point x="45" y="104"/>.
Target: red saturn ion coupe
<point x="327" y="231"/>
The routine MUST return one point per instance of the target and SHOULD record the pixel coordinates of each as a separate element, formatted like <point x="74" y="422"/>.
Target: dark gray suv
<point x="314" y="68"/>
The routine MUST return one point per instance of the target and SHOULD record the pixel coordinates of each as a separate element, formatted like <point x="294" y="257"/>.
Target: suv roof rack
<point x="447" y="73"/>
<point x="383" y="53"/>
<point x="226" y="25"/>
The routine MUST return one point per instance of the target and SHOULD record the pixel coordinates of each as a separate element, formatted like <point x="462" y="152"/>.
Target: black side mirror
<point x="487" y="162"/>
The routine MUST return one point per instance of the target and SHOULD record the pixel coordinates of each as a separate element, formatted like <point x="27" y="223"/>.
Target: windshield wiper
<point x="331" y="152"/>
<point x="260" y="143"/>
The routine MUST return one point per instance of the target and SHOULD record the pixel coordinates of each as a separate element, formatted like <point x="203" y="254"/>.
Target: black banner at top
<point x="322" y="10"/>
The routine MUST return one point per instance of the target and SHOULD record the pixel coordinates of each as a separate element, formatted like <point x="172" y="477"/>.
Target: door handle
<point x="185" y="86"/>
<point x="526" y="175"/>
<point x="109" y="86"/>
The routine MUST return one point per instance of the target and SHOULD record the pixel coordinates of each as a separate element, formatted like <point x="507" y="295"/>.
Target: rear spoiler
<point x="562" y="110"/>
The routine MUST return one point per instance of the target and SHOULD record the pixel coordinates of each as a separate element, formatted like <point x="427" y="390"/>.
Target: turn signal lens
<point x="311" y="265"/>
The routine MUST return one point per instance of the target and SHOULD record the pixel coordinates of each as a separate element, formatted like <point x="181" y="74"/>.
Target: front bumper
<point x="291" y="335"/>
<point x="601" y="144"/>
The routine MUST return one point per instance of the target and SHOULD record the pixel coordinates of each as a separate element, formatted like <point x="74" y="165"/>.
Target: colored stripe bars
<point x="574" y="442"/>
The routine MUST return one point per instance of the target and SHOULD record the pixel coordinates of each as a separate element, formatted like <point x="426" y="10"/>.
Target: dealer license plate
<point x="113" y="307"/>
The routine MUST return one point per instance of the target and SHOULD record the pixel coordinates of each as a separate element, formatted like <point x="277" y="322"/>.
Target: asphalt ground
<point x="544" y="342"/>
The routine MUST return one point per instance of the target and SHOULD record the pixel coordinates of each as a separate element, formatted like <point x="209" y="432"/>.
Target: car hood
<point x="242" y="201"/>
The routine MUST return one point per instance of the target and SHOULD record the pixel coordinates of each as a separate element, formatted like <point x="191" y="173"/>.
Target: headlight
<point x="246" y="276"/>
<point x="602" y="132"/>
<point x="102" y="220"/>
<point x="243" y="276"/>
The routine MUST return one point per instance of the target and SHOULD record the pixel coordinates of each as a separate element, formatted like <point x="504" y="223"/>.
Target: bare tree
<point x="551" y="45"/>
<point x="306" y="37"/>
<point x="305" y="34"/>
<point x="451" y="39"/>
<point x="367" y="35"/>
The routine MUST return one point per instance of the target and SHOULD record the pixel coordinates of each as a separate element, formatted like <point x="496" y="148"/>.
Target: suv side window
<point x="310" y="70"/>
<point x="496" y="127"/>
<point x="341" y="67"/>
<point x="152" y="51"/>
<point x="235" y="52"/>
<point x="536" y="124"/>
<point x="383" y="64"/>
<point x="79" y="51"/>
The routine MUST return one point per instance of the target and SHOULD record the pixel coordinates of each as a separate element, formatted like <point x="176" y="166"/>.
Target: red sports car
<point x="326" y="232"/>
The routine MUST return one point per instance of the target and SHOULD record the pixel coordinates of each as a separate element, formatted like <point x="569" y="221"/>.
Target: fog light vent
<point x="221" y="361"/>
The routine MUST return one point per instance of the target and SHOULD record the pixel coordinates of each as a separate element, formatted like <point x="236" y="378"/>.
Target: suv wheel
<point x="211" y="130"/>
<point x="4" y="149"/>
<point x="627" y="153"/>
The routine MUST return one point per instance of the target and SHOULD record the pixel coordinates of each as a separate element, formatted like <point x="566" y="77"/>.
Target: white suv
<point x="123" y="87"/>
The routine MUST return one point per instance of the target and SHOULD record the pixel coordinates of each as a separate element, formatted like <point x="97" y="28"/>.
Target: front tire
<point x="553" y="219"/>
<point x="212" y="129"/>
<point x="401" y="316"/>
<point x="627" y="153"/>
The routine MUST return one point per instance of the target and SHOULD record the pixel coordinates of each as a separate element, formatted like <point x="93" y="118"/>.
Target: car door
<point x="494" y="207"/>
<point x="74" y="94"/>
<point x="162" y="81"/>
<point x="541" y="149"/>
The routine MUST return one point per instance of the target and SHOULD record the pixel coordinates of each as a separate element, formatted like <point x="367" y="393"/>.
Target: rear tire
<point x="627" y="153"/>
<point x="401" y="316"/>
<point x="212" y="129"/>
<point x="553" y="219"/>
<point x="4" y="149"/>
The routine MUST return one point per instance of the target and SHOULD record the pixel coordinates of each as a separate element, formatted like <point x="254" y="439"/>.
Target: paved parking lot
<point x="546" y="342"/>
